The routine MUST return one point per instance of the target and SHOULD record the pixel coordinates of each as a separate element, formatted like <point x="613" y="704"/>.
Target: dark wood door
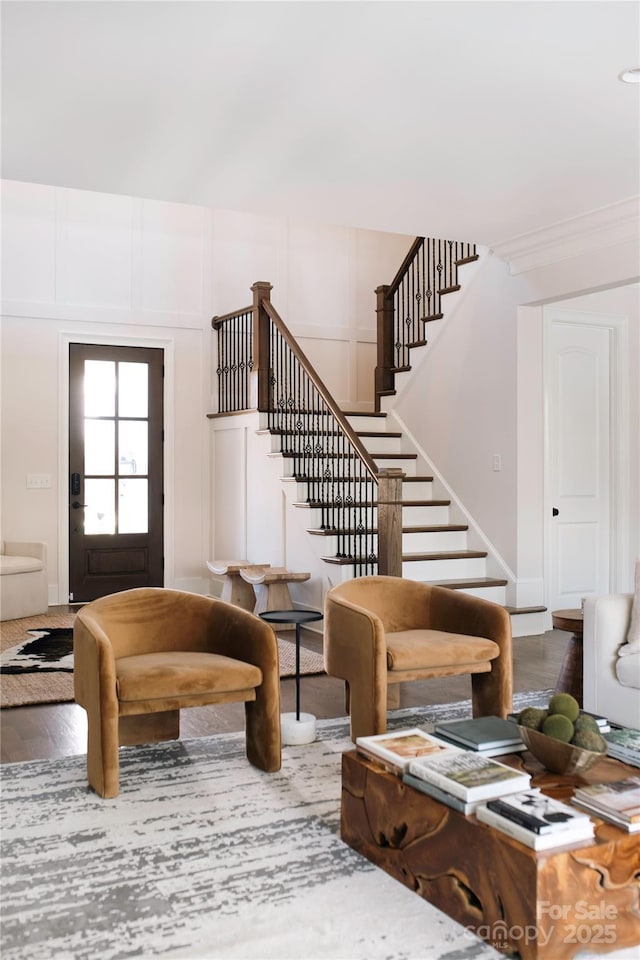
<point x="115" y="469"/>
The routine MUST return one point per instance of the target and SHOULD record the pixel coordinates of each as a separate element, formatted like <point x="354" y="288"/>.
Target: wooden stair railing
<point x="359" y="504"/>
<point x="414" y="298"/>
<point x="235" y="359"/>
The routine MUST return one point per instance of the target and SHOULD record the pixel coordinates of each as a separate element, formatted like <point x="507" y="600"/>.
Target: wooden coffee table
<point x="548" y="904"/>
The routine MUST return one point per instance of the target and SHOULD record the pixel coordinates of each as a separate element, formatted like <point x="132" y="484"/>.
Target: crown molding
<point x="605" y="227"/>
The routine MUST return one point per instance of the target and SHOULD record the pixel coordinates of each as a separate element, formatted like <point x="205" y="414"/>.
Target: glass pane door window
<point x="116" y="447"/>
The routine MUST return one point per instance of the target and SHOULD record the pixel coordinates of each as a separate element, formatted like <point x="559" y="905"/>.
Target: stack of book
<point x="618" y="802"/>
<point x="490" y="736"/>
<point x="536" y="820"/>
<point x="463" y="779"/>
<point x="394" y="751"/>
<point x="624" y="744"/>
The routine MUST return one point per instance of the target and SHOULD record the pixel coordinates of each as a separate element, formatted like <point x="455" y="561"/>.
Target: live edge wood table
<point x="548" y="904"/>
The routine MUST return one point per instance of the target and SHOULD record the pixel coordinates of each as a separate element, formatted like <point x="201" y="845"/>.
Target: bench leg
<point x="238" y="591"/>
<point x="272" y="596"/>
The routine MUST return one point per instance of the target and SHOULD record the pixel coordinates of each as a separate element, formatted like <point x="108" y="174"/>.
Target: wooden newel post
<point x="390" y="522"/>
<point x="384" y="378"/>
<point x="261" y="291"/>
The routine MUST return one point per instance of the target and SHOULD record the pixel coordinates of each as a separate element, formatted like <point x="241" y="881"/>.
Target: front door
<point x="115" y="469"/>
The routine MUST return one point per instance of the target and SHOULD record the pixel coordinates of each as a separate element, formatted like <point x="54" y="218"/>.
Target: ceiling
<point x="477" y="121"/>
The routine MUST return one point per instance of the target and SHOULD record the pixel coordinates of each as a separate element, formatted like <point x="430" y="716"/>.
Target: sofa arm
<point x="26" y="548"/>
<point x="605" y="625"/>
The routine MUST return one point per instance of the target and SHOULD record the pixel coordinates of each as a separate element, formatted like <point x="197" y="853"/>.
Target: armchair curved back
<point x="399" y="604"/>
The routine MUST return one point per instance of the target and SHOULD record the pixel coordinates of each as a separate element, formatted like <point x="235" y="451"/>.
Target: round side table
<point x="570" y="679"/>
<point x="296" y="727"/>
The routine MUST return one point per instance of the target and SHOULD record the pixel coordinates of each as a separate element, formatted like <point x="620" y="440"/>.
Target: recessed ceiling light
<point x="631" y="76"/>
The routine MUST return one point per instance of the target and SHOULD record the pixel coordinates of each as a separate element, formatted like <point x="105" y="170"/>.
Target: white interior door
<point x="579" y="461"/>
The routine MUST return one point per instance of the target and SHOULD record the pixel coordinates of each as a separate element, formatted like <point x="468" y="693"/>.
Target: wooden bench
<point x="234" y="588"/>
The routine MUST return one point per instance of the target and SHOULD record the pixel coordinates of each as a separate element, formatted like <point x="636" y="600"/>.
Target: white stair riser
<point x="431" y="542"/>
<point x="411" y="516"/>
<point x="527" y="624"/>
<point x="411" y="543"/>
<point x="408" y="467"/>
<point x="444" y="569"/>
<point x="356" y="422"/>
<point x="420" y="490"/>
<point x="424" y="516"/>
<point x="382" y="444"/>
<point x="495" y="594"/>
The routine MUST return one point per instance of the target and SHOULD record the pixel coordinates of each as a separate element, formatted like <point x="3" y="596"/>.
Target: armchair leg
<point x="368" y="709"/>
<point x="393" y="696"/>
<point x="492" y="693"/>
<point x="148" y="728"/>
<point x="264" y="742"/>
<point x="103" y="769"/>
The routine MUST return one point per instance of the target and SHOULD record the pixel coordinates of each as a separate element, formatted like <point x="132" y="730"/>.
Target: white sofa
<point x="24" y="590"/>
<point x="611" y="673"/>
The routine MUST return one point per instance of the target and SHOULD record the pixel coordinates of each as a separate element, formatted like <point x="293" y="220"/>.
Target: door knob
<point x="78" y="506"/>
<point x="555" y="512"/>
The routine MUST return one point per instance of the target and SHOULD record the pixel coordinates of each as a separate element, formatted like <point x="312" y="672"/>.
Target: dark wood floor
<point x="59" y="730"/>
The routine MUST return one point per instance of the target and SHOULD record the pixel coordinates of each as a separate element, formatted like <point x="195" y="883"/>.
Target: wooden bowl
<point x="557" y="756"/>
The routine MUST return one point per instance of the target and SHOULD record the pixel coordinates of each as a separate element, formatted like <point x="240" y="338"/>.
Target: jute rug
<point x="32" y="672"/>
<point x="203" y="856"/>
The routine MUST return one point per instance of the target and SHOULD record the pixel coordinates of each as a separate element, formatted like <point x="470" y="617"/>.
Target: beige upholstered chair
<point x="142" y="655"/>
<point x="381" y="631"/>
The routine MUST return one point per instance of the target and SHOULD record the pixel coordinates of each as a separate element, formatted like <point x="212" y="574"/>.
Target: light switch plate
<point x="38" y="481"/>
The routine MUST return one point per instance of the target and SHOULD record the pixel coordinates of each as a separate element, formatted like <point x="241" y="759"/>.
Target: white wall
<point x="461" y="403"/>
<point x="478" y="391"/>
<point x="78" y="265"/>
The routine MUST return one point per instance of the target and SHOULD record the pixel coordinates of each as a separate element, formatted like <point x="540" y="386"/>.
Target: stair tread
<point x="516" y="610"/>
<point x="378" y="433"/>
<point x="446" y="555"/>
<point x="404" y="503"/>
<point x="394" y="456"/>
<point x="316" y="478"/>
<point x="400" y="369"/>
<point x="469" y="583"/>
<point x="362" y="413"/>
<point x="464" y="260"/>
<point x="432" y="316"/>
<point x="417" y="343"/>
<point x="452" y="289"/>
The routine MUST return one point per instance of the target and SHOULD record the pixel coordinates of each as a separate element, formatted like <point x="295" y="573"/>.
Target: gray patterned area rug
<point x="203" y="856"/>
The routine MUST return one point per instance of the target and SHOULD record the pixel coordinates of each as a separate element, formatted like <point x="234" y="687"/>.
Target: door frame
<point x="168" y="347"/>
<point x="616" y="325"/>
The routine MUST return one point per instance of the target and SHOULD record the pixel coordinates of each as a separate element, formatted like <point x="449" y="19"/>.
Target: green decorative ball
<point x="589" y="740"/>
<point x="558" y="726"/>
<point x="565" y="704"/>
<point x="585" y="722"/>
<point x="532" y="717"/>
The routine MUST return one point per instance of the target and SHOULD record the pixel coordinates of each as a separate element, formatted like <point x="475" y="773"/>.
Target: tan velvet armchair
<point x="143" y="654"/>
<point x="383" y="631"/>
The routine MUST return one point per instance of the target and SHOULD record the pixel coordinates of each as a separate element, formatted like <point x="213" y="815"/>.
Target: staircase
<point x="360" y="489"/>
